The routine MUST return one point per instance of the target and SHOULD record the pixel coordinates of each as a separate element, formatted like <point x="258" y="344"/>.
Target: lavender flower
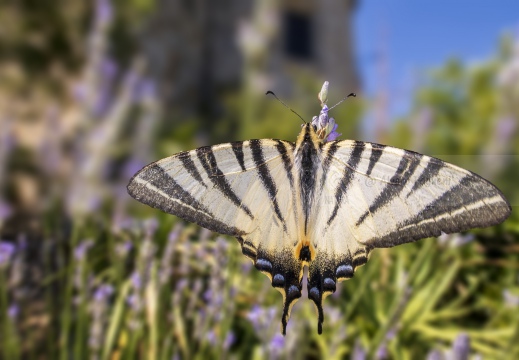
<point x="325" y="126"/>
<point x="103" y="12"/>
<point x="13" y="311"/>
<point x="7" y="251"/>
<point x="264" y="322"/>
<point x="434" y="355"/>
<point x="136" y="280"/>
<point x="99" y="309"/>
<point x="212" y="338"/>
<point x="510" y="299"/>
<point x="146" y="90"/>
<point x="276" y="346"/>
<point x="5" y="211"/>
<point x="82" y="249"/>
<point x="104" y="97"/>
<point x="103" y="292"/>
<point x="359" y="353"/>
<point x="166" y="269"/>
<point x="230" y="338"/>
<point x="382" y="352"/>
<point x="461" y="347"/>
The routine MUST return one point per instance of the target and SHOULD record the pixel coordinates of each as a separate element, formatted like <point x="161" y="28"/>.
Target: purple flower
<point x="382" y="351"/>
<point x="81" y="250"/>
<point x="99" y="308"/>
<point x="134" y="301"/>
<point x="6" y="253"/>
<point x="510" y="299"/>
<point x="277" y="342"/>
<point x="359" y="353"/>
<point x="211" y="338"/>
<point x="104" y="93"/>
<point x="181" y="285"/>
<point x="13" y="311"/>
<point x="208" y="295"/>
<point x="505" y="129"/>
<point x="103" y="12"/>
<point x="325" y="126"/>
<point x="146" y="89"/>
<point x="230" y="338"/>
<point x="136" y="280"/>
<point x="103" y="292"/>
<point x="5" y="210"/>
<point x="461" y="347"/>
<point x="131" y="167"/>
<point x="109" y="69"/>
<point x="434" y="355"/>
<point x="333" y="133"/>
<point x="255" y="315"/>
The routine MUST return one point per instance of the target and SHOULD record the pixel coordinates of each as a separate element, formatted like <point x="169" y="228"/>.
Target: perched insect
<point x="317" y="202"/>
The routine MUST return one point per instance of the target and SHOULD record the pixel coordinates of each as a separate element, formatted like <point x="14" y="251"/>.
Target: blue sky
<point x="418" y="34"/>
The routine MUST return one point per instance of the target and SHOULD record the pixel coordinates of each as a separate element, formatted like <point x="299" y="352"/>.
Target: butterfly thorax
<point x="307" y="162"/>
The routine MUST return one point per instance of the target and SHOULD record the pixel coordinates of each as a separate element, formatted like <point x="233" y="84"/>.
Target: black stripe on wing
<point x="376" y="153"/>
<point x="431" y="170"/>
<point x="406" y="168"/>
<point x="237" y="148"/>
<point x="287" y="163"/>
<point x="189" y="165"/>
<point x="348" y="173"/>
<point x="208" y="161"/>
<point x="178" y="202"/>
<point x="332" y="149"/>
<point x="266" y="178"/>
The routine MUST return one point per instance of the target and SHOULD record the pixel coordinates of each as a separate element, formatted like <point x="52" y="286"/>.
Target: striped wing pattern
<point x="243" y="189"/>
<point x="321" y="204"/>
<point x="377" y="196"/>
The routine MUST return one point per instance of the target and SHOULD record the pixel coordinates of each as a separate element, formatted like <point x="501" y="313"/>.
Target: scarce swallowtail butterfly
<point x="318" y="202"/>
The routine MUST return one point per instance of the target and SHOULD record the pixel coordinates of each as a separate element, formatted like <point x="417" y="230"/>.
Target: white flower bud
<point x="323" y="95"/>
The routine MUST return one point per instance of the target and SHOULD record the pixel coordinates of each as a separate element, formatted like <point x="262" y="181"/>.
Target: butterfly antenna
<point x="350" y="95"/>
<point x="285" y="105"/>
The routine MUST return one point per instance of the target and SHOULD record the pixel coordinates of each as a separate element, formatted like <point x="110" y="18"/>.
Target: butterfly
<point x="318" y="202"/>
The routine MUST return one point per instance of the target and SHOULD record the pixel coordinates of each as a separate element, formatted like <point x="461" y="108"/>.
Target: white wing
<point x="378" y="196"/>
<point x="244" y="189"/>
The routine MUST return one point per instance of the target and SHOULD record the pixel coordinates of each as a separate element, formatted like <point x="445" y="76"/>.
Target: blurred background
<point x="92" y="91"/>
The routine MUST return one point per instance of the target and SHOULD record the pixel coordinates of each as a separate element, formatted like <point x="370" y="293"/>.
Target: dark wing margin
<point x="153" y="186"/>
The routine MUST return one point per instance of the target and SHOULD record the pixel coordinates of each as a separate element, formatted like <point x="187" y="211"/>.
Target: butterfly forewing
<point x="419" y="196"/>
